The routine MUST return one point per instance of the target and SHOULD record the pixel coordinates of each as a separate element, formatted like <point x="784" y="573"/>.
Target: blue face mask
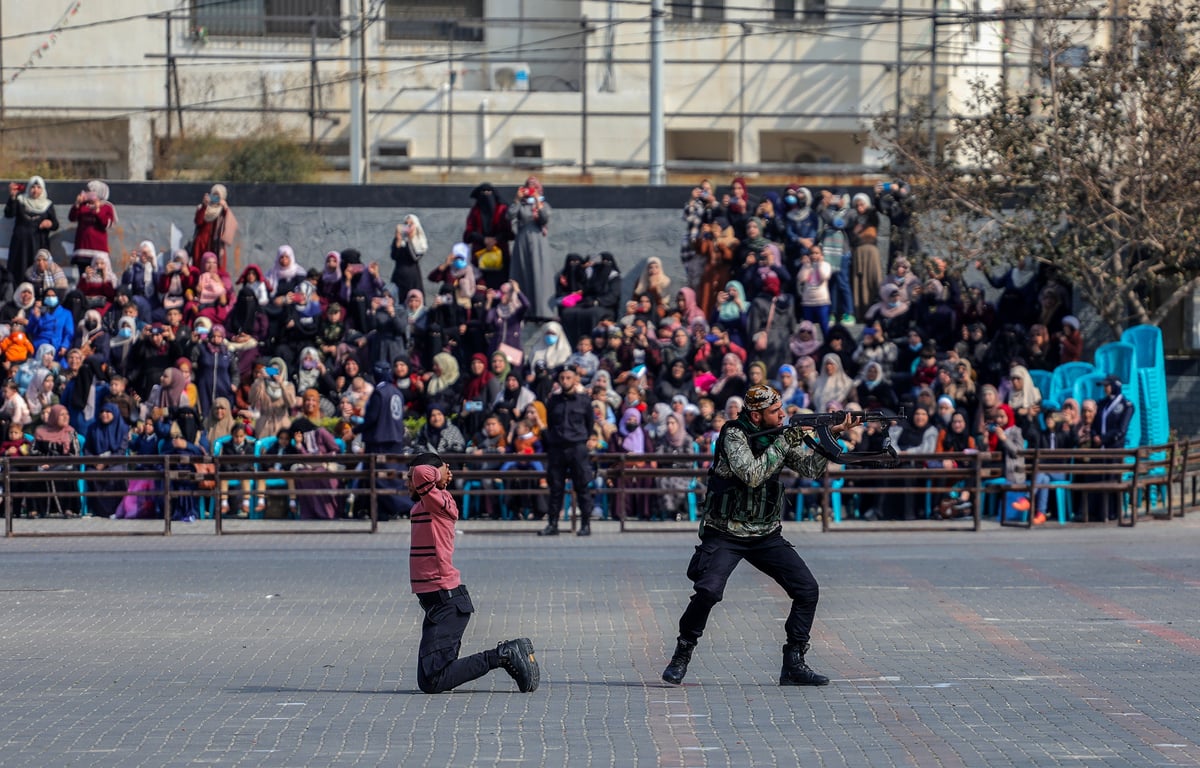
<point x="791" y="200"/>
<point x="915" y="347"/>
<point x="125" y="332"/>
<point x="460" y="263"/>
<point x="551" y="339"/>
<point x="51" y="301"/>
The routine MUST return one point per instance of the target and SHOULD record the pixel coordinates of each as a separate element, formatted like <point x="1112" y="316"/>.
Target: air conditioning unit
<point x="509" y="76"/>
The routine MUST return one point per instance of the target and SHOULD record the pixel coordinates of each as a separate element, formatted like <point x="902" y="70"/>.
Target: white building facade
<point x="450" y="87"/>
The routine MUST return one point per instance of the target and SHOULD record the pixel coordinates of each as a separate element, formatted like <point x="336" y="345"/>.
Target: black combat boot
<point x="675" y="671"/>
<point x="796" y="671"/>
<point x="551" y="528"/>
<point x="516" y="656"/>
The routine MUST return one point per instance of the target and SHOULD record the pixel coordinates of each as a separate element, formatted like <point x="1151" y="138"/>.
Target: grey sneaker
<point x="516" y="656"/>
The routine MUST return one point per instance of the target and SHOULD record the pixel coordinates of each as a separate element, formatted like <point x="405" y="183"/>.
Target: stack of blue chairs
<point x="1062" y="380"/>
<point x="1152" y="417"/>
<point x="1120" y="359"/>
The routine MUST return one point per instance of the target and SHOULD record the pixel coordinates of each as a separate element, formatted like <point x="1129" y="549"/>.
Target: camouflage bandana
<point x="760" y="397"/>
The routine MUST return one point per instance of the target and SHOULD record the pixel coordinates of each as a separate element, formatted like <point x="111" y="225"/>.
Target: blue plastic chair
<point x="1062" y="380"/>
<point x="1042" y="380"/>
<point x="261" y="447"/>
<point x="1147" y="341"/>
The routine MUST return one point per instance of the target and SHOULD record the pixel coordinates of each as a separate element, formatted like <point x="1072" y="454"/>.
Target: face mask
<point x="530" y="200"/>
<point x="551" y="338"/>
<point x="91" y="325"/>
<point x="893" y="304"/>
<point x="460" y="263"/>
<point x="125" y="333"/>
<point x="51" y="301"/>
<point x="309" y="365"/>
<point x="790" y="200"/>
<point x="202" y="332"/>
<point x="914" y="347"/>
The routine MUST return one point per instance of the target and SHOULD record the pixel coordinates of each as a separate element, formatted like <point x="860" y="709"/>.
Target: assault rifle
<point x="827" y="445"/>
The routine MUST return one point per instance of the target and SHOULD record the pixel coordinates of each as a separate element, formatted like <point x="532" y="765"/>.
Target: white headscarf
<point x="35" y="204"/>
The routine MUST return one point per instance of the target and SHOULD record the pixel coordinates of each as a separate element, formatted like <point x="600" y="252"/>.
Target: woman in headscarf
<point x="654" y="283"/>
<point x="442" y="380"/>
<point x="85" y="393"/>
<point x="508" y="308"/>
<point x="91" y="337"/>
<point x="602" y="385"/>
<point x="439" y="435"/>
<point x="409" y="245"/>
<point x="633" y="440"/>
<point x="272" y="398"/>
<point x="832" y="385"/>
<point x="415" y="327"/>
<point x="655" y="422"/>
<point x="216" y="370"/>
<point x="731" y="312"/>
<point x="107" y="436"/>
<point x="56" y="437"/>
<point x="1025" y="400"/>
<point x="915" y="436"/>
<point x="686" y="308"/>
<point x="873" y="390"/>
<point x="98" y="284"/>
<point x="285" y="275"/>
<point x="33" y="220"/>
<point x="792" y="394"/>
<point x="308" y="439"/>
<point x="141" y="276"/>
<point x="892" y="312"/>
<point x="93" y="216"/>
<point x="216" y="226"/>
<point x="867" y="268"/>
<point x="475" y="394"/>
<point x="730" y="383"/>
<point x="529" y="216"/>
<point x="176" y="281"/>
<point x="252" y="277"/>
<point x="45" y="274"/>
<point x="512" y="398"/>
<point x="550" y="346"/>
<point x="219" y="422"/>
<point x="329" y="286"/>
<point x="214" y="290"/>
<point x="675" y="380"/>
<point x="488" y="227"/>
<point x="675" y="439"/>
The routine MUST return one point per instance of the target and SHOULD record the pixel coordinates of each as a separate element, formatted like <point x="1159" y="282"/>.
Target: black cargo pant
<point x="716" y="557"/>
<point x="439" y="669"/>
<point x="569" y="461"/>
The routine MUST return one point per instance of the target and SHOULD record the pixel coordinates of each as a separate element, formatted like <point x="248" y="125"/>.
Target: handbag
<point x="206" y="475"/>
<point x="490" y="258"/>
<point x="515" y="355"/>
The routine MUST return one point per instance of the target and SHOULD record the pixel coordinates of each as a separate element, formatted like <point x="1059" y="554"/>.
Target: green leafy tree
<point x="1093" y="170"/>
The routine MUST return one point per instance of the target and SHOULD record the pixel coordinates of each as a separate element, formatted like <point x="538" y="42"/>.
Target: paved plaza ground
<point x="1076" y="646"/>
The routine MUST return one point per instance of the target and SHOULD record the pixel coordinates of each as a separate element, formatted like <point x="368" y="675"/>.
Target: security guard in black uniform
<point x="382" y="429"/>
<point x="742" y="520"/>
<point x="569" y="422"/>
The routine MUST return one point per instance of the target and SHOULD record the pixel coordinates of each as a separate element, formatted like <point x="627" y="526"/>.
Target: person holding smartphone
<point x="93" y="215"/>
<point x="33" y="220"/>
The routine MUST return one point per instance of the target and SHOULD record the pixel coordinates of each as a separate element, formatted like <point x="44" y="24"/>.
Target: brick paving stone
<point x="1054" y="647"/>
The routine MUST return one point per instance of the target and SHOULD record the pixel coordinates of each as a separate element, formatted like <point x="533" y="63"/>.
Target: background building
<point x="450" y="87"/>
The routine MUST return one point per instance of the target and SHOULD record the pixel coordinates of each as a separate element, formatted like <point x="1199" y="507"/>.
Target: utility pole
<point x="933" y="89"/>
<point x="658" y="168"/>
<point x="356" y="92"/>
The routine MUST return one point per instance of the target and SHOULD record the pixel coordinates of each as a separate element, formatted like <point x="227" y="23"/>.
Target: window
<point x="814" y="10"/>
<point x="785" y="10"/>
<point x="685" y="10"/>
<point x="435" y="20"/>
<point x="267" y="18"/>
<point x="712" y="10"/>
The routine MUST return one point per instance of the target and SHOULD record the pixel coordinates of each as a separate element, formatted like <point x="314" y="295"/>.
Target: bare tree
<point x="1093" y="169"/>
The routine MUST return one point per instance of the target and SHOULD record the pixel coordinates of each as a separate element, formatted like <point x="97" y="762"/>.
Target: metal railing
<point x="1156" y="482"/>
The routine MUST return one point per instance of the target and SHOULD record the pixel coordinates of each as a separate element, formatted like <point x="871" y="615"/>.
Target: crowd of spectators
<point x="155" y="352"/>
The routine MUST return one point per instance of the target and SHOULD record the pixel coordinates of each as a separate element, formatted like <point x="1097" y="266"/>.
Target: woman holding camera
<point x="33" y="221"/>
<point x="216" y="226"/>
<point x="530" y="215"/>
<point x="93" y="216"/>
